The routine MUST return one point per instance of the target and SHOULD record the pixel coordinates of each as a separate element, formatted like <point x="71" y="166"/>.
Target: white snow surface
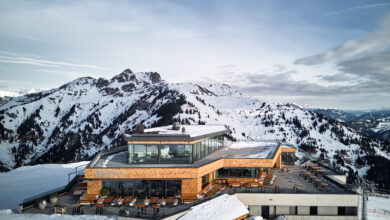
<point x="27" y="181"/>
<point x="192" y="130"/>
<point x="8" y="214"/>
<point x="266" y="147"/>
<point x="223" y="207"/>
<point x="378" y="208"/>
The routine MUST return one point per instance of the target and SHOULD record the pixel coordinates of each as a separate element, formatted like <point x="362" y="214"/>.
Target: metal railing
<point x="77" y="171"/>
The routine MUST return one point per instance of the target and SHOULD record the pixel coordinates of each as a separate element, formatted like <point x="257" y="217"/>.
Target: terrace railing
<point x="79" y="170"/>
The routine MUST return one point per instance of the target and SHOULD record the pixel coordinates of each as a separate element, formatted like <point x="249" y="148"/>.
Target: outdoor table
<point x="108" y="199"/>
<point x="321" y="171"/>
<point x="99" y="209"/>
<point x="140" y="206"/>
<point x="153" y="200"/>
<point x="60" y="210"/>
<point x="318" y="182"/>
<point x="77" y="209"/>
<point x="156" y="208"/>
<point x="170" y="200"/>
<point x="78" y="192"/>
<point x="127" y="199"/>
<point x="236" y="184"/>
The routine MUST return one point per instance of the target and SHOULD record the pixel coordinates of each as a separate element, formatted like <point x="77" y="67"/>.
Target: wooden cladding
<point x="94" y="186"/>
<point x="292" y="150"/>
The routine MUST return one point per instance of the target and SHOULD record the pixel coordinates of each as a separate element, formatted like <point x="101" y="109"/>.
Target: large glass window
<point x="143" y="188"/>
<point x="207" y="146"/>
<point x="139" y="154"/>
<point x="175" y="154"/>
<point x="157" y="188"/>
<point x="205" y="180"/>
<point x="111" y="187"/>
<point x="238" y="173"/>
<point x="151" y="154"/>
<point x="164" y="154"/>
<point x="173" y="188"/>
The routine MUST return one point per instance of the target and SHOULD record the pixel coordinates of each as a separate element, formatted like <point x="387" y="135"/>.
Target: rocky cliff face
<point x="88" y="115"/>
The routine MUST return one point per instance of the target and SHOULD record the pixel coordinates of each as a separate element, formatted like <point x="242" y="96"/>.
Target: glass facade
<point x="208" y="146"/>
<point x="143" y="188"/>
<point x="238" y="173"/>
<point x="173" y="153"/>
<point x="288" y="158"/>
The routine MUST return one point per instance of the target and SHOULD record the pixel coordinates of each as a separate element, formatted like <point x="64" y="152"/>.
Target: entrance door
<point x="265" y="211"/>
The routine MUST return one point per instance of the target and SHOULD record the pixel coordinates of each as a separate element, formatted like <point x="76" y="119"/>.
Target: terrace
<point x="289" y="180"/>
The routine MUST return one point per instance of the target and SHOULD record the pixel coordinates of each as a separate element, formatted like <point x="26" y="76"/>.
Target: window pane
<point x="157" y="188"/>
<point x="127" y="189"/>
<point x="176" y="154"/>
<point x="130" y="150"/>
<point x="205" y="180"/>
<point x="151" y="154"/>
<point x="111" y="186"/>
<point x="173" y="188"/>
<point x="313" y="210"/>
<point x="139" y="154"/>
<point x="141" y="189"/>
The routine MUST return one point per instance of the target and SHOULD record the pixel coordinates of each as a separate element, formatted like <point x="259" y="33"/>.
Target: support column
<point x="94" y="187"/>
<point x="191" y="186"/>
<point x="278" y="163"/>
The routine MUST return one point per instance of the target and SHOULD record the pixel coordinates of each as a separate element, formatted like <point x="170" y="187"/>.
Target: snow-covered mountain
<point x="375" y="123"/>
<point x="85" y="116"/>
<point x="335" y="113"/>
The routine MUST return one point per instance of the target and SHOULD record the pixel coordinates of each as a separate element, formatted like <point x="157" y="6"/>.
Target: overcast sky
<point x="318" y="53"/>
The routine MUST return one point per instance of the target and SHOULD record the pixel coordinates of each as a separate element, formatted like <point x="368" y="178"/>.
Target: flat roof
<point x="245" y="150"/>
<point x="166" y="133"/>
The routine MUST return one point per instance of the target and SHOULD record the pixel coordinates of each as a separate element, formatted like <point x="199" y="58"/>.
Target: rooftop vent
<point x="176" y="126"/>
<point x="139" y="129"/>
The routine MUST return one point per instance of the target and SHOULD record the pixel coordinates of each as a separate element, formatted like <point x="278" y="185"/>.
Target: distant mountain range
<point x="375" y="123"/>
<point x="85" y="116"/>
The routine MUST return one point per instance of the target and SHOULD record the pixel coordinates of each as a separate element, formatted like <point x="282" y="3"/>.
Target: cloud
<point x="358" y="8"/>
<point x="41" y="62"/>
<point x="375" y="66"/>
<point x="377" y="41"/>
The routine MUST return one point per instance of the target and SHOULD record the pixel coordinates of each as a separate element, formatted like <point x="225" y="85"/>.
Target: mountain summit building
<point x="174" y="168"/>
<point x="177" y="160"/>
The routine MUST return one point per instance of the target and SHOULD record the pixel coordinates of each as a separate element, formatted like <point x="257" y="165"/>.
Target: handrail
<point x="76" y="170"/>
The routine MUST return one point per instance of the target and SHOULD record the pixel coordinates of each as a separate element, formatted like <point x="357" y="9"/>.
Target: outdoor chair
<point x="146" y="201"/>
<point x="176" y="202"/>
<point x="114" y="201"/>
<point x="131" y="204"/>
<point x="119" y="202"/>
<point x="163" y="201"/>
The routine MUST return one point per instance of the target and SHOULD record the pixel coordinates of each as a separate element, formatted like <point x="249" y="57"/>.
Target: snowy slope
<point x="88" y="115"/>
<point x="250" y="118"/>
<point x="223" y="207"/>
<point x="28" y="181"/>
<point x="8" y="214"/>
